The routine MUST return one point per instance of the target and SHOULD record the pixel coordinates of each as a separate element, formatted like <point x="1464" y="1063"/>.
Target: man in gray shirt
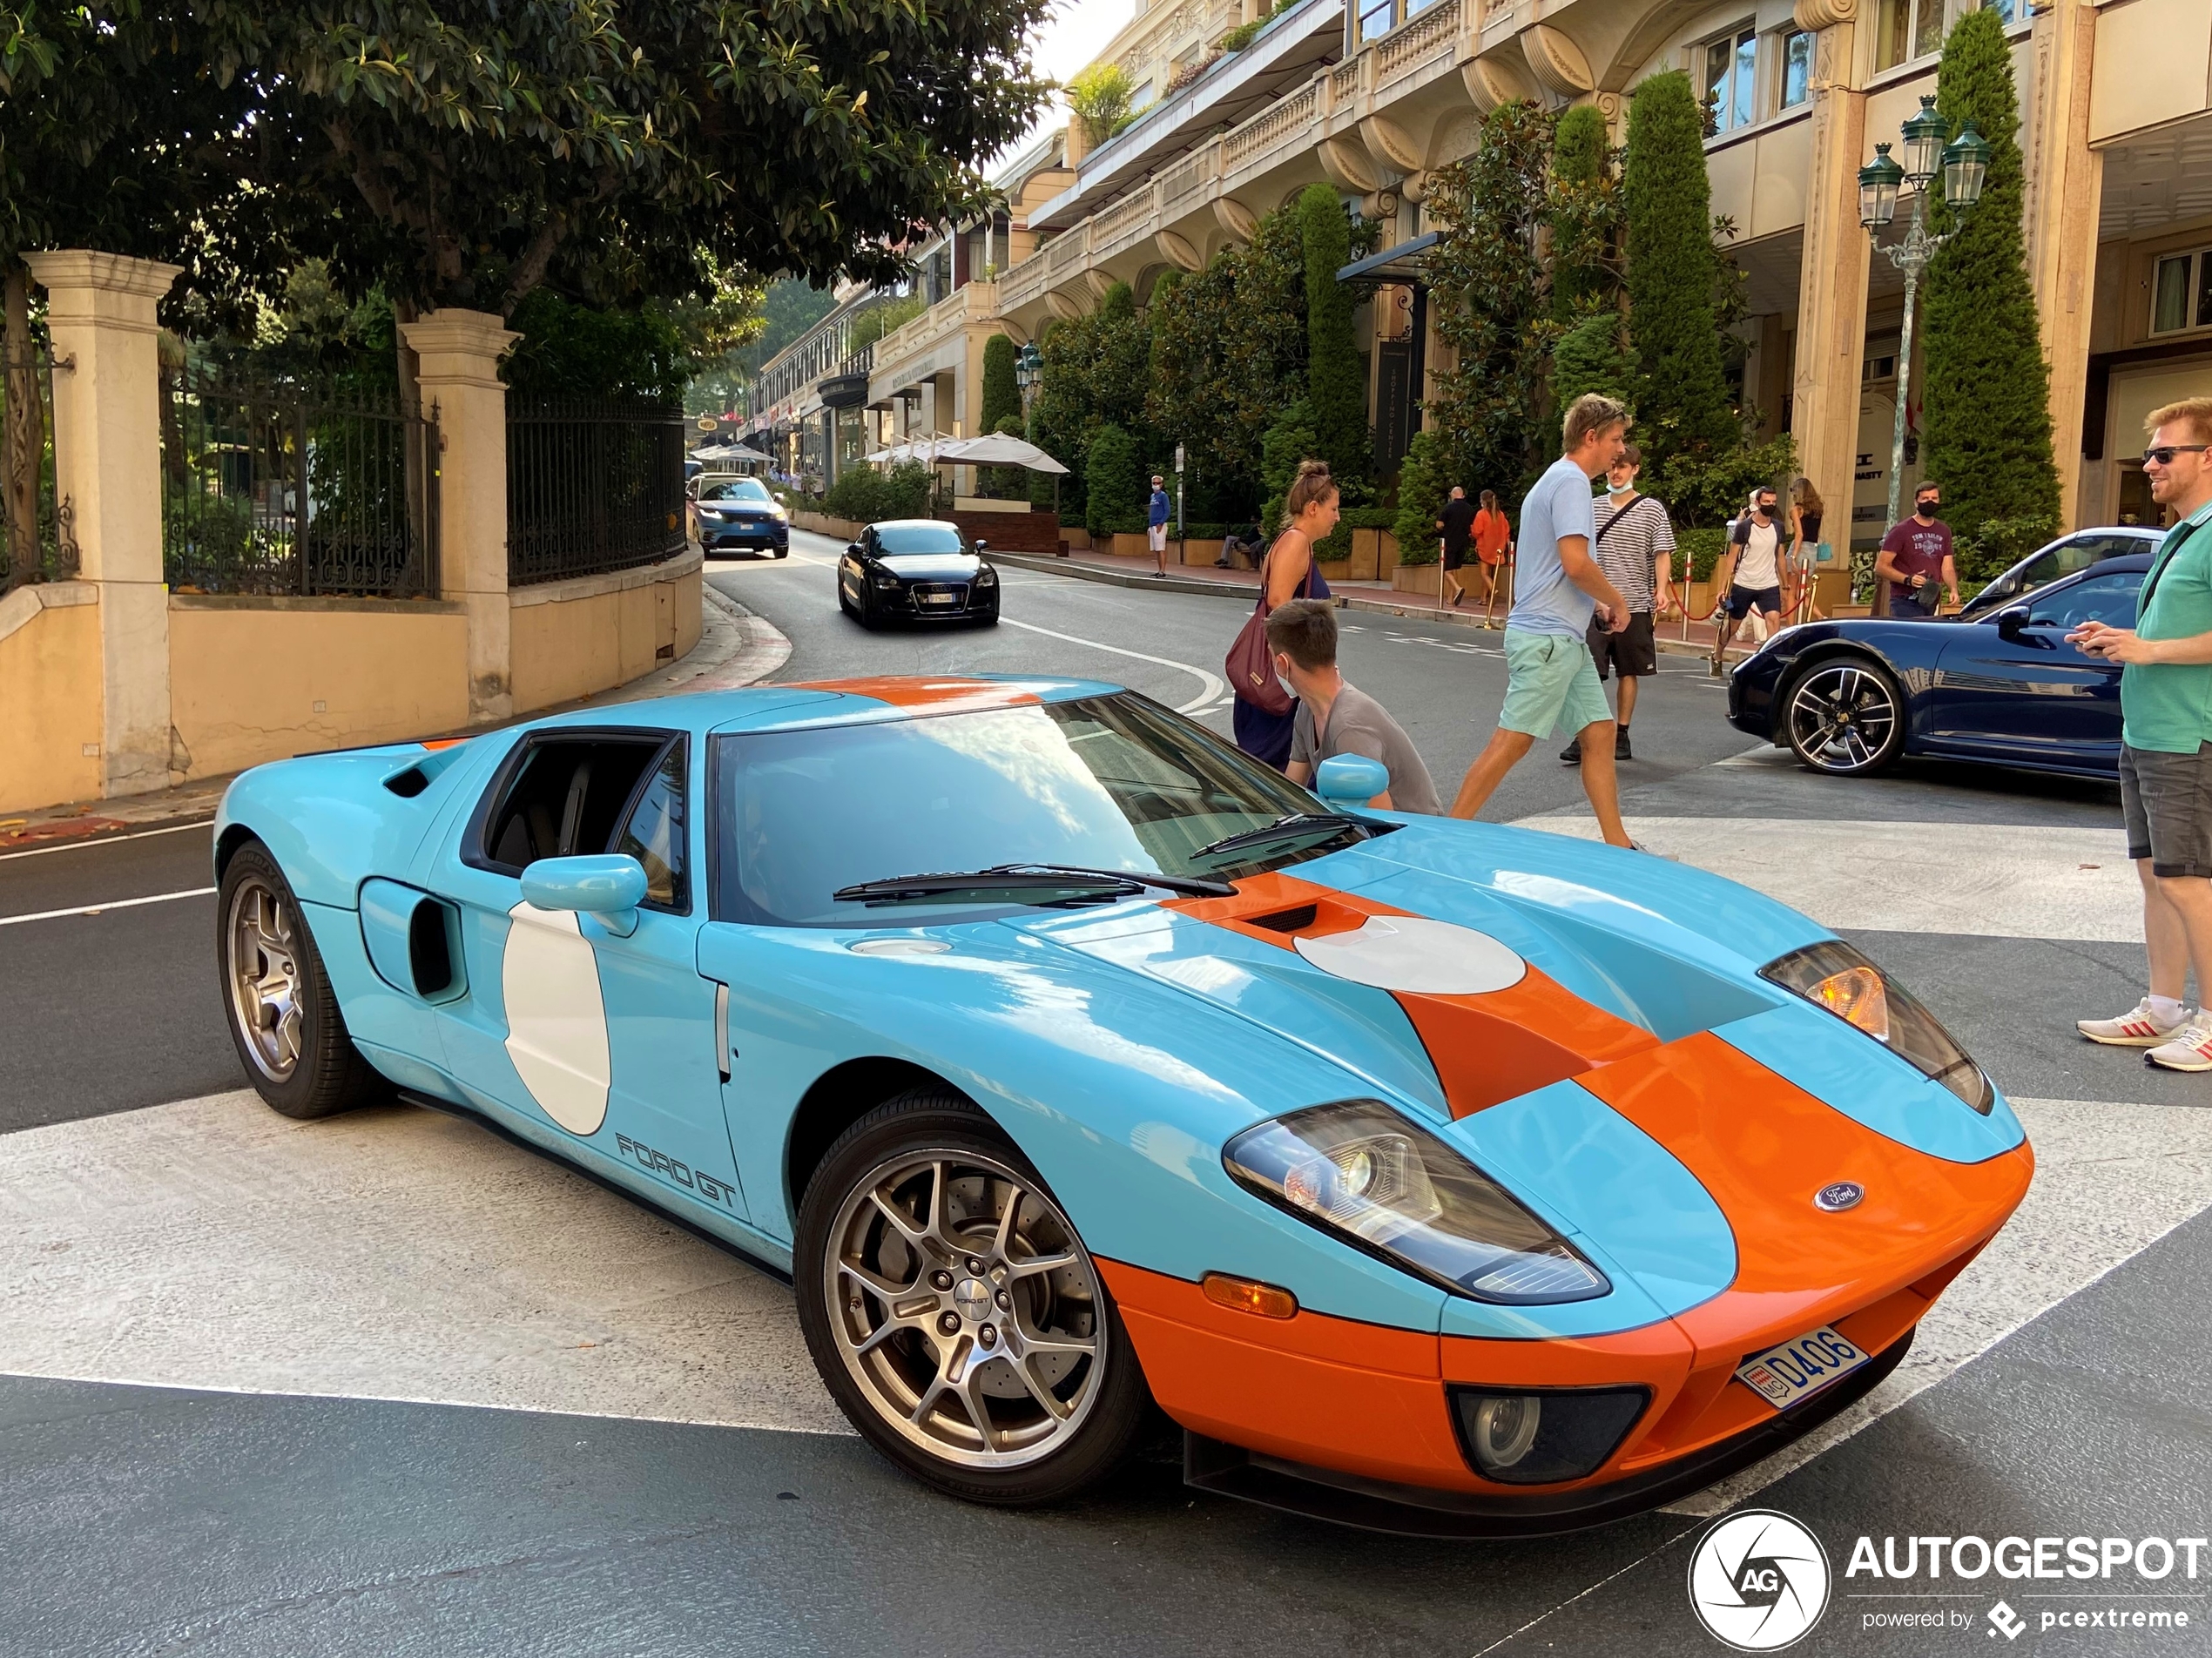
<point x="1336" y="718"/>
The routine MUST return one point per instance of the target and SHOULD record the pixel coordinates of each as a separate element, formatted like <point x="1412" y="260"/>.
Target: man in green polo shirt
<point x="2166" y="747"/>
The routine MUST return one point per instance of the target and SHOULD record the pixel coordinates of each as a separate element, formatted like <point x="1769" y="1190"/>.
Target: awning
<point x="998" y="450"/>
<point x="1404" y="263"/>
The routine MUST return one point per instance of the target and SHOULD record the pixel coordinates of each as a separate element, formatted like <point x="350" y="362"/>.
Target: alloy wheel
<point x="965" y="1309"/>
<point x="266" y="983"/>
<point x="1843" y="718"/>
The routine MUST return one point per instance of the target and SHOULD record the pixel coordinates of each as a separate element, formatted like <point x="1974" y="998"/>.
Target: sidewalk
<point x="1674" y="637"/>
<point x="735" y="647"/>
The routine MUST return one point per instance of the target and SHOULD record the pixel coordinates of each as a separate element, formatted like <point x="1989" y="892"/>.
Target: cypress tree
<point x="1585" y="210"/>
<point x="1002" y="391"/>
<point x="1682" y="407"/>
<point x="1987" y="425"/>
<point x="1115" y="470"/>
<point x="1335" y="388"/>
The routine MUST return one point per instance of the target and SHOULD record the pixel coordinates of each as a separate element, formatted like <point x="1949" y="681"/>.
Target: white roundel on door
<point x="557" y="1021"/>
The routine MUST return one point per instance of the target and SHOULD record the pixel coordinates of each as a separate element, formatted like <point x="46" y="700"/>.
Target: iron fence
<point x="44" y="549"/>
<point x="591" y="487"/>
<point x="284" y="489"/>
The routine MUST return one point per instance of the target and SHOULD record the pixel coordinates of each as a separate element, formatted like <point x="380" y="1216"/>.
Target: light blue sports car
<point x="1434" y="1177"/>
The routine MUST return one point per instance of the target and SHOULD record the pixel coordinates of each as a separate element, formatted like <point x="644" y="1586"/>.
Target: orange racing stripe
<point x="940" y="695"/>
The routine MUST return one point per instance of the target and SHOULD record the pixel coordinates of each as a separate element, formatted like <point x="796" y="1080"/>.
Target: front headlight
<point x="1362" y="1172"/>
<point x="1834" y="977"/>
<point x="986" y="576"/>
<point x="779" y="512"/>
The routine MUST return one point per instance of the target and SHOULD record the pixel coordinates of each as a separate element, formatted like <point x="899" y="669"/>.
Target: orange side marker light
<point x="1248" y="1295"/>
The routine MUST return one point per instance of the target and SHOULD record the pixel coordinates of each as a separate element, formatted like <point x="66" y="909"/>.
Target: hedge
<point x="1702" y="548"/>
<point x="867" y="497"/>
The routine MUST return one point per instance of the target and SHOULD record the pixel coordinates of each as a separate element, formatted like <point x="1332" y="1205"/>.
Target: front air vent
<point x="1284" y="920"/>
<point x="407" y="783"/>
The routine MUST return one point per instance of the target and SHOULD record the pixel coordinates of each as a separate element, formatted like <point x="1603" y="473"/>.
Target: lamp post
<point x="1963" y="165"/>
<point x="1028" y="371"/>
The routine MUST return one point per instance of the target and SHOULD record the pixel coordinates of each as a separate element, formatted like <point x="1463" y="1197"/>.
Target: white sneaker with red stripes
<point x="2138" y="1027"/>
<point x="2190" y="1050"/>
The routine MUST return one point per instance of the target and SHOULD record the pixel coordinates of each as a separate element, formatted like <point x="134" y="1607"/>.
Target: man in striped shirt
<point x="1635" y="548"/>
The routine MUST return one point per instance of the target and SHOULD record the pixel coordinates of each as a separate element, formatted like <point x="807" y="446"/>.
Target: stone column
<point x="1831" y="291"/>
<point x="107" y="460"/>
<point x="459" y="354"/>
<point x="2065" y="195"/>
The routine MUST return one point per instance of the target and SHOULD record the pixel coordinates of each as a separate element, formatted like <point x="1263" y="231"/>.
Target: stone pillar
<point x="1831" y="292"/>
<point x="107" y="458"/>
<point x="459" y="354"/>
<point x="2065" y="195"/>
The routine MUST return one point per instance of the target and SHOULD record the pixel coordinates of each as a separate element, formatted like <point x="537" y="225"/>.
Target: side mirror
<point x="1351" y="779"/>
<point x="978" y="543"/>
<point x="2011" y="620"/>
<point x="610" y="885"/>
<point x="852" y="548"/>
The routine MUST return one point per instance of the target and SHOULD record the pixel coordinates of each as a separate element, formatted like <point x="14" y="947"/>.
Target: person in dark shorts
<point x="2166" y="747"/>
<point x="1752" y="568"/>
<point x="1457" y="526"/>
<point x="1635" y="548"/>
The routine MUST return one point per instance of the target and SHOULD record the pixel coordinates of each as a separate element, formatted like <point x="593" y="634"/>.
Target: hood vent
<point x="1284" y="920"/>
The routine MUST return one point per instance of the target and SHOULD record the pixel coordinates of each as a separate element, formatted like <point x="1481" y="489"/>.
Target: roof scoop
<point x="1411" y="954"/>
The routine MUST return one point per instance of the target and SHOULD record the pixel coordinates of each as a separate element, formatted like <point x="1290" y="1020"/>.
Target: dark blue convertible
<point x="1998" y="684"/>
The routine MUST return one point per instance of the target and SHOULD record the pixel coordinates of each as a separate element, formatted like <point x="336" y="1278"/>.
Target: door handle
<point x="722" y="1030"/>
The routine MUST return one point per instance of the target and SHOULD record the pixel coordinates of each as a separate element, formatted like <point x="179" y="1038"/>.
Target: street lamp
<point x="1963" y="163"/>
<point x="1029" y="370"/>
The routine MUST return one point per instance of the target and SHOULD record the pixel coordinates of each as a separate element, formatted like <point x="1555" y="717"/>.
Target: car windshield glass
<point x="1104" y="783"/>
<point x="741" y="490"/>
<point x="895" y="539"/>
<point x="2109" y="599"/>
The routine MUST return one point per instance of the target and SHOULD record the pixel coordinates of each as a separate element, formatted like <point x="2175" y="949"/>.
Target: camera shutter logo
<point x="1758" y="1580"/>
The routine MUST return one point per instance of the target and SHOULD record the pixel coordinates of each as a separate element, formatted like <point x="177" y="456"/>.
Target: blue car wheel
<point x="954" y="1314"/>
<point x="1845" y="717"/>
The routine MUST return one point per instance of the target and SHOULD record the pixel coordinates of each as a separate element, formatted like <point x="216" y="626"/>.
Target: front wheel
<point x="954" y="1314"/>
<point x="284" y="1017"/>
<point x="1845" y="717"/>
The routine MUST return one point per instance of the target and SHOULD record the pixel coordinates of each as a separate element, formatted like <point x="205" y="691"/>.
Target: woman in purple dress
<point x="1309" y="513"/>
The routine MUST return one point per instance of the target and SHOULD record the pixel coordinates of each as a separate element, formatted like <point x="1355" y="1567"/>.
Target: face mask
<point x="1289" y="690"/>
<point x="1613" y="488"/>
<point x="1927" y="508"/>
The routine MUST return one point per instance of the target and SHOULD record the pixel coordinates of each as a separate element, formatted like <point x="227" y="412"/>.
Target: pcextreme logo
<point x="1758" y="1580"/>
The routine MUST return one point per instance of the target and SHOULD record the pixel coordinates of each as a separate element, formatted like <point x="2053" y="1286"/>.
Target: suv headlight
<point x="1360" y="1171"/>
<point x="1834" y="977"/>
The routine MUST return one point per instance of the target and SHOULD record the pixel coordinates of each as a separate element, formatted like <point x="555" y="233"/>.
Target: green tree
<point x="1493" y="301"/>
<point x="1684" y="418"/>
<point x="1334" y="384"/>
<point x="1585" y="217"/>
<point x="1002" y="413"/>
<point x="1294" y="437"/>
<point x="1114" y="467"/>
<point x="1094" y="371"/>
<point x="1103" y="97"/>
<point x="1424" y="485"/>
<point x="1987" y="423"/>
<point x="1593" y="356"/>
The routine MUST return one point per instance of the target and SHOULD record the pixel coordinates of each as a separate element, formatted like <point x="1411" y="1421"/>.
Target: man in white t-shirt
<point x="1752" y="568"/>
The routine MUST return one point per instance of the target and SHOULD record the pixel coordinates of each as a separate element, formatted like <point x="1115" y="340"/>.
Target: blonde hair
<point x="1312" y="486"/>
<point x="1588" y="415"/>
<point x="2195" y="411"/>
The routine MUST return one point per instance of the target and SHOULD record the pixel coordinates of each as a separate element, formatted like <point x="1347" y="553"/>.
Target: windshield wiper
<point x="1295" y="823"/>
<point x="1077" y="886"/>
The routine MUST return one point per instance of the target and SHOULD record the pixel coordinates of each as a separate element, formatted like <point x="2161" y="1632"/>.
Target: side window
<point x="2109" y="599"/>
<point x="654" y="833"/>
<point x="565" y="797"/>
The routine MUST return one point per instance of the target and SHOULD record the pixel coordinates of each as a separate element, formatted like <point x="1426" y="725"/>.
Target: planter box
<point x="1128" y="546"/>
<point x="1075" y="537"/>
<point x="1037" y="533"/>
<point x="1414" y="578"/>
<point x="980" y="503"/>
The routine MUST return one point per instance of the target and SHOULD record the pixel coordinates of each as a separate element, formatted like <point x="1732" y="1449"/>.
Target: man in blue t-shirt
<point x="1550" y="678"/>
<point x="1155" y="523"/>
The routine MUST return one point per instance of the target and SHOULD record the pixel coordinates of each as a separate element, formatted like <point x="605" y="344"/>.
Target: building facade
<point x="1372" y="95"/>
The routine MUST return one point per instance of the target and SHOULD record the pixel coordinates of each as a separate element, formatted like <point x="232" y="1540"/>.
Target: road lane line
<point x="1216" y="687"/>
<point x="107" y="840"/>
<point x="113" y="903"/>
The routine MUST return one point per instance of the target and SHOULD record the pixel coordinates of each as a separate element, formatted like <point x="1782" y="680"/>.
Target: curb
<point x="736" y="649"/>
<point x="1376" y="605"/>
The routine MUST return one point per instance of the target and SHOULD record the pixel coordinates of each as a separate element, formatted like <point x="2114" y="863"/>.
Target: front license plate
<point x="1785" y="1374"/>
<point x="940" y="598"/>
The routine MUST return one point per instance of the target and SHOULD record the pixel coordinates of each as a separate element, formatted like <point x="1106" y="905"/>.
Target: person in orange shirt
<point x="1493" y="541"/>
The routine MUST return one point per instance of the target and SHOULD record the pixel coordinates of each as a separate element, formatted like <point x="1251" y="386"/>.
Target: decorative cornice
<point x="1823" y="14"/>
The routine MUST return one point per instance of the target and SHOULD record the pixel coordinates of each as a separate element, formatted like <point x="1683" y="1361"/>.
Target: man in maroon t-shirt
<point x="1916" y="556"/>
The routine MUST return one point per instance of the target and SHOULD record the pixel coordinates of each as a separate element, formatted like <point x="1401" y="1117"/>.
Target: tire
<point x="844" y="603"/>
<point x="1051" y="1331"/>
<point x="989" y="620"/>
<point x="283" y="1016"/>
<point x="1844" y="716"/>
<point x="866" y="614"/>
<point x="783" y="552"/>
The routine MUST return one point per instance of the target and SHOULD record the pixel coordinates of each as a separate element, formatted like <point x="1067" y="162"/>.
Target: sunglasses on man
<point x="2164" y="454"/>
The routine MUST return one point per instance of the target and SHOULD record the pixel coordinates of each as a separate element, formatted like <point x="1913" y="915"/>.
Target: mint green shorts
<point x="1552" y="685"/>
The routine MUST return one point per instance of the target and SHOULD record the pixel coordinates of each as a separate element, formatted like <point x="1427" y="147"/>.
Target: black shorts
<point x="2167" y="799"/>
<point x="1630" y="652"/>
<point x="1741" y="600"/>
<point x="1453" y="557"/>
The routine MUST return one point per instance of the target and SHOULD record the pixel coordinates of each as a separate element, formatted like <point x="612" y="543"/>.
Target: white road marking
<point x="1974" y="879"/>
<point x="108" y="840"/>
<point x="1216" y="687"/>
<point x="111" y="903"/>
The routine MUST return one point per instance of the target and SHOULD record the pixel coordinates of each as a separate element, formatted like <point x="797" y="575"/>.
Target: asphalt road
<point x="233" y="1509"/>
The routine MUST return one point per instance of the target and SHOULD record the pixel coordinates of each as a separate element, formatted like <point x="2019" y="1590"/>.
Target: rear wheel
<point x="284" y="1017"/>
<point x="1844" y="716"/>
<point x="954" y="1314"/>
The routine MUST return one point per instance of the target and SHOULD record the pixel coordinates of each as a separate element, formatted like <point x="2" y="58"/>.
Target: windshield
<point x="894" y="539"/>
<point x="1105" y="783"/>
<point x="738" y="490"/>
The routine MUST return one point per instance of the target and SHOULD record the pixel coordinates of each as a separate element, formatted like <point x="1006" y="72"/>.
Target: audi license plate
<point x="1785" y="1374"/>
<point x="940" y="598"/>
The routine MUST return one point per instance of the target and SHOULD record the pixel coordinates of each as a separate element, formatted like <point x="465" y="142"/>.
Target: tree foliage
<point x="1103" y="97"/>
<point x="1492" y="298"/>
<point x="1585" y="218"/>
<point x="1001" y="412"/>
<point x="1094" y="371"/>
<point x="1424" y="485"/>
<point x="1335" y="387"/>
<point x="1988" y="402"/>
<point x="1116" y="492"/>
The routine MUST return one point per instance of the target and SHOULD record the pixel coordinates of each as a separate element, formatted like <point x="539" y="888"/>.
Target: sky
<point x="1074" y="33"/>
